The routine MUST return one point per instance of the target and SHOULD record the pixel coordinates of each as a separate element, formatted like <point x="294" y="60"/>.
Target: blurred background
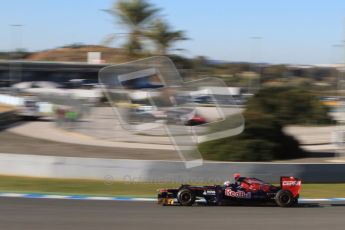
<point x="284" y="72"/>
<point x="93" y="113"/>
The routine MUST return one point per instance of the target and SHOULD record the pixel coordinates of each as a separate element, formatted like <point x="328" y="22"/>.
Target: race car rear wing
<point x="291" y="183"/>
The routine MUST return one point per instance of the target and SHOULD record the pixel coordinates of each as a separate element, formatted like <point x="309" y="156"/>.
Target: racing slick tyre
<point x="284" y="198"/>
<point x="186" y="197"/>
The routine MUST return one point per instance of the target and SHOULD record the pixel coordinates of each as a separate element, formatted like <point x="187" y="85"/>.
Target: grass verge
<point x="116" y="188"/>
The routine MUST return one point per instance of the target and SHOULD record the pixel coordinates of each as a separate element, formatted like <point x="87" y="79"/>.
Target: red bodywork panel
<point x="292" y="184"/>
<point x="286" y="183"/>
<point x="254" y="185"/>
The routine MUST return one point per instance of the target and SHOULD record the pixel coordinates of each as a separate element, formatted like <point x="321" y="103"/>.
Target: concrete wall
<point x="158" y="171"/>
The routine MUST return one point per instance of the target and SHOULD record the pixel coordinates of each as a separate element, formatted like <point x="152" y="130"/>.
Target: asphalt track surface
<point x="17" y="144"/>
<point x="50" y="214"/>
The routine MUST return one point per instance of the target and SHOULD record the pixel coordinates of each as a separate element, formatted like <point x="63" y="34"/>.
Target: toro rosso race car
<point x="244" y="190"/>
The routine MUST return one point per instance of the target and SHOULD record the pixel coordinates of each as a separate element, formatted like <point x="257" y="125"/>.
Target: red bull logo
<point x="238" y="194"/>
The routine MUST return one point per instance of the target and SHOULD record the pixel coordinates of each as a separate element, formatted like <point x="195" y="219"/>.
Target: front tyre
<point x="284" y="198"/>
<point x="186" y="197"/>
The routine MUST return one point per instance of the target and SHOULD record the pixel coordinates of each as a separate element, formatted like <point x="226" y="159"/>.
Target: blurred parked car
<point x="185" y="116"/>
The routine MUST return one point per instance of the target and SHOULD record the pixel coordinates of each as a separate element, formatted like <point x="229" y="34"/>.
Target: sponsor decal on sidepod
<point x="238" y="194"/>
<point x="209" y="192"/>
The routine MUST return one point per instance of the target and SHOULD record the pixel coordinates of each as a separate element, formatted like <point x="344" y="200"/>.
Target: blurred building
<point x="12" y="72"/>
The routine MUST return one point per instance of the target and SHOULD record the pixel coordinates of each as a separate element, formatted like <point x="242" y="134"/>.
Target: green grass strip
<point x="118" y="188"/>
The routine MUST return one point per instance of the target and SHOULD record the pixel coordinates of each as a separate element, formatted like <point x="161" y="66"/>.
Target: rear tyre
<point x="186" y="197"/>
<point x="285" y="198"/>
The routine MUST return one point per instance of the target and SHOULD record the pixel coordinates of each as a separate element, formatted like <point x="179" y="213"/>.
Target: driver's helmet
<point x="227" y="183"/>
<point x="237" y="176"/>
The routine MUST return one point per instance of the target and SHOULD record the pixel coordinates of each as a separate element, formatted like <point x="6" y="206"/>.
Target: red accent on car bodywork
<point x="292" y="184"/>
<point x="198" y="120"/>
<point x="254" y="185"/>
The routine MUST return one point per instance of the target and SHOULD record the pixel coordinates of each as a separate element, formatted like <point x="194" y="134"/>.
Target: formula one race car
<point x="244" y="190"/>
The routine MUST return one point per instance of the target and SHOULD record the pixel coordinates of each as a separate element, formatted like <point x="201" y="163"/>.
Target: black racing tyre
<point x="186" y="197"/>
<point x="284" y="198"/>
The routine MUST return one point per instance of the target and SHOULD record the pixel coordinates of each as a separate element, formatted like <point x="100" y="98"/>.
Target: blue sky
<point x="291" y="31"/>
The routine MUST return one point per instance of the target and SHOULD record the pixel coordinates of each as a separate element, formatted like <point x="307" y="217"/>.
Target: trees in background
<point x="136" y="16"/>
<point x="163" y="36"/>
<point x="142" y="21"/>
<point x="263" y="138"/>
<point x="290" y="105"/>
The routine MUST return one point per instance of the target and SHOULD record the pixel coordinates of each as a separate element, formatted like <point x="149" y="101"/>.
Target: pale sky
<point x="290" y="31"/>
